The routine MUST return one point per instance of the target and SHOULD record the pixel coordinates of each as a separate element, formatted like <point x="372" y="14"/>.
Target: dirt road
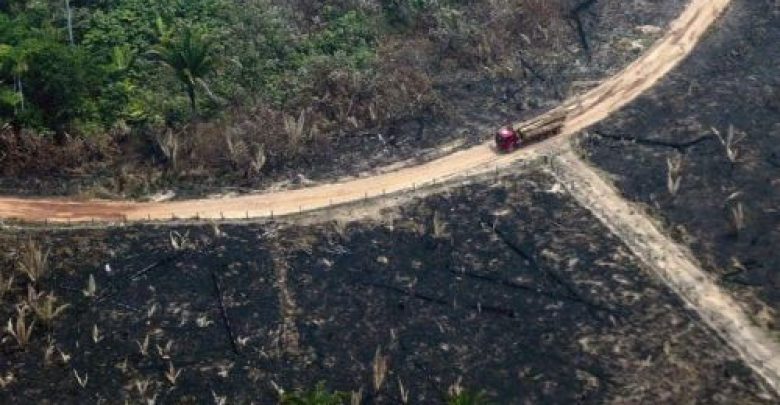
<point x="582" y="111"/>
<point x="673" y="263"/>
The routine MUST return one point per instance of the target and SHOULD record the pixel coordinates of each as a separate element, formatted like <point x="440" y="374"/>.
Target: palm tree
<point x="190" y="57"/>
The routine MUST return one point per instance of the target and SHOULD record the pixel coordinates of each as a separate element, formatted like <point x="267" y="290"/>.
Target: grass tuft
<point x="674" y="174"/>
<point x="44" y="306"/>
<point x="33" y="260"/>
<point x="457" y="395"/>
<point x="6" y="283"/>
<point x="730" y="142"/>
<point x="380" y="368"/>
<point x="18" y="328"/>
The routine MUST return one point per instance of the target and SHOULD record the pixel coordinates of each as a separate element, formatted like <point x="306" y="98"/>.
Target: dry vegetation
<point x="416" y="44"/>
<point x="34" y="311"/>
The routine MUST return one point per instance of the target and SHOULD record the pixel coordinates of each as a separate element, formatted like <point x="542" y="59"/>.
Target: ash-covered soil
<point x="726" y="208"/>
<point x="510" y="288"/>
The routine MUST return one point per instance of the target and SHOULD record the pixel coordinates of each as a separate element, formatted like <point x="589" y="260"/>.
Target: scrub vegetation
<point x="122" y="98"/>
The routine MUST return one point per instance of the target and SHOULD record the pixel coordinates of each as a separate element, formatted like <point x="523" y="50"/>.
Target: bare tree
<point x="69" y="18"/>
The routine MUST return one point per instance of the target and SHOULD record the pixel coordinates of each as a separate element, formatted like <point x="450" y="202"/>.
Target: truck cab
<point x="507" y="139"/>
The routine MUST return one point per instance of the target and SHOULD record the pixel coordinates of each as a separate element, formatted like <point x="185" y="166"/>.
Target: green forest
<point x="84" y="66"/>
<point x="229" y="86"/>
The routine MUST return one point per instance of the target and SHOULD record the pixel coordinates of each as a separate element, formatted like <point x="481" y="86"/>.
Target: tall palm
<point x="190" y="57"/>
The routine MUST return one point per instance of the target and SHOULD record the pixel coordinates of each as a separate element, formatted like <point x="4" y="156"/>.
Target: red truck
<point x="509" y="139"/>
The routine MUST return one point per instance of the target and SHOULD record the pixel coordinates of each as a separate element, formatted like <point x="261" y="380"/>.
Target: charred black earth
<point x="726" y="208"/>
<point x="508" y="288"/>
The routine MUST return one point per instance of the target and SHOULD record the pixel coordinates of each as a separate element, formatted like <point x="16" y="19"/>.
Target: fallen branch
<point x="137" y="275"/>
<point x="517" y="286"/>
<point x="118" y="303"/>
<point x="115" y="286"/>
<point x="509" y="313"/>
<point x="524" y="63"/>
<point x="679" y="146"/>
<point x="574" y="15"/>
<point x="571" y="291"/>
<point x="223" y="311"/>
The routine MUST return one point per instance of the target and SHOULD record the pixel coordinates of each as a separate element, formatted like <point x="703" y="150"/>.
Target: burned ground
<point x="726" y="206"/>
<point x="510" y="288"/>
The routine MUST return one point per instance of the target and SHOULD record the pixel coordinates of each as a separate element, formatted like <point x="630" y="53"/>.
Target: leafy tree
<point x="191" y="59"/>
<point x="349" y="36"/>
<point x="64" y="83"/>
<point x="56" y="86"/>
<point x="12" y="62"/>
<point x="89" y="67"/>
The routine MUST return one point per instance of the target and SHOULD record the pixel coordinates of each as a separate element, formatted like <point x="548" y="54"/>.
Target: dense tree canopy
<point x="148" y="60"/>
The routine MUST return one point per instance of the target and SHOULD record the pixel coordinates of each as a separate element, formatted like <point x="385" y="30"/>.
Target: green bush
<point x="57" y="86"/>
<point x="113" y="74"/>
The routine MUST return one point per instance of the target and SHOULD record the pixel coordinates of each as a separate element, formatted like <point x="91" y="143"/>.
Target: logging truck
<point x="509" y="138"/>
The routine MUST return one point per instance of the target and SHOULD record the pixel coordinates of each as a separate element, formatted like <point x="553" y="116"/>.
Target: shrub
<point x="320" y="395"/>
<point x="407" y="14"/>
<point x="26" y="151"/>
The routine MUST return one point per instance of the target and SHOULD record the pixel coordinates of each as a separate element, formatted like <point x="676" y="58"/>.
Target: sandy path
<point x="585" y="110"/>
<point x="673" y="263"/>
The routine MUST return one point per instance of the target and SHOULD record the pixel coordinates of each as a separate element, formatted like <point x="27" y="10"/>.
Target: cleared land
<point x="726" y="208"/>
<point x="510" y="288"/>
<point x="673" y="264"/>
